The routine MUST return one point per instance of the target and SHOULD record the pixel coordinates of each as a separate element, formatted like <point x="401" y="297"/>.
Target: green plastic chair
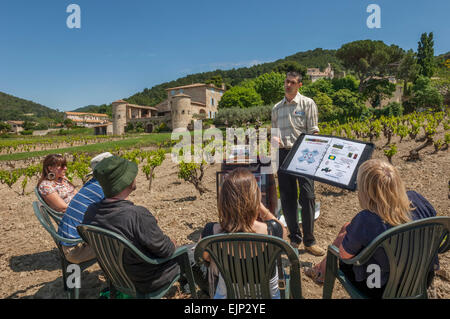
<point x="55" y="215"/>
<point x="109" y="248"/>
<point x="410" y="249"/>
<point x="248" y="273"/>
<point x="43" y="216"/>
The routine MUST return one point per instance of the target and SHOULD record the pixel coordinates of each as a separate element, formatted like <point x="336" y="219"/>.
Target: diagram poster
<point x="340" y="160"/>
<point x="309" y="155"/>
<point x="328" y="159"/>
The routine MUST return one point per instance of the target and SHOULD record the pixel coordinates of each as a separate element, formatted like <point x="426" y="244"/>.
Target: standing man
<point x="294" y="115"/>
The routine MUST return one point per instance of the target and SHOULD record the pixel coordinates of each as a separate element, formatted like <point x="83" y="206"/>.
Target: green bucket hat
<point x="115" y="174"/>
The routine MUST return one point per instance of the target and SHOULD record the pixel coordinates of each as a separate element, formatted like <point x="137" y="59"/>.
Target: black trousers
<point x="289" y="198"/>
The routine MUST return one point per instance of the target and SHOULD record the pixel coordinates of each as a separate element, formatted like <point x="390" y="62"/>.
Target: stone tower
<point x="119" y="112"/>
<point x="181" y="110"/>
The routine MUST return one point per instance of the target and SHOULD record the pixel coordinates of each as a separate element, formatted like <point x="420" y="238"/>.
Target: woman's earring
<point x="51" y="176"/>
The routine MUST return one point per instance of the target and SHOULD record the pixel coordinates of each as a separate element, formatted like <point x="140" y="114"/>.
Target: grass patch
<point x="133" y="142"/>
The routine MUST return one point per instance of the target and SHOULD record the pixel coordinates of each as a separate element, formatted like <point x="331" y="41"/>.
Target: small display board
<point x="327" y="159"/>
<point x="266" y="182"/>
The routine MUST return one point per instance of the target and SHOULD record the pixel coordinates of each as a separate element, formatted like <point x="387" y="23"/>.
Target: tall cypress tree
<point x="425" y="55"/>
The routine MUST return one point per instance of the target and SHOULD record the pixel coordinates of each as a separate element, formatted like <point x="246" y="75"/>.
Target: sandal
<point x="315" y="275"/>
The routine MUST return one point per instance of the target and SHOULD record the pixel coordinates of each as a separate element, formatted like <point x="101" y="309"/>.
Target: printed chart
<point x="327" y="158"/>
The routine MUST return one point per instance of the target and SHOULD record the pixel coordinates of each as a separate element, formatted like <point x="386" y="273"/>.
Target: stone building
<point x="104" y="129"/>
<point x="16" y="126"/>
<point x="315" y="73"/>
<point x="124" y="113"/>
<point x="185" y="101"/>
<point x="176" y="111"/>
<point x="86" y="119"/>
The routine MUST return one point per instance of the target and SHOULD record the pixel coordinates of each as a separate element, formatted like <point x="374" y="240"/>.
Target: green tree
<point x="350" y="103"/>
<point x="28" y="125"/>
<point x="4" y="127"/>
<point x="321" y="85"/>
<point x="289" y="66"/>
<point x="347" y="82"/>
<point x="270" y="86"/>
<point x="68" y="123"/>
<point x="369" y="58"/>
<point x="425" y="95"/>
<point x="239" y="116"/>
<point x="425" y="55"/>
<point x="241" y="97"/>
<point x="216" y="80"/>
<point x="376" y="90"/>
<point x="327" y="111"/>
<point x="408" y="69"/>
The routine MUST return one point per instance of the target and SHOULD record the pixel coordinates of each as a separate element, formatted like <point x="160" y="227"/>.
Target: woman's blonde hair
<point x="239" y="201"/>
<point x="382" y="191"/>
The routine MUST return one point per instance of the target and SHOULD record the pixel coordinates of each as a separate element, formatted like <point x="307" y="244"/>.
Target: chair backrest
<point x="411" y="249"/>
<point x="247" y="263"/>
<point x="40" y="211"/>
<point x="109" y="248"/>
<point x="57" y="216"/>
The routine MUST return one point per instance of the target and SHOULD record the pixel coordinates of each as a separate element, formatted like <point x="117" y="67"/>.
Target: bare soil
<point x="29" y="262"/>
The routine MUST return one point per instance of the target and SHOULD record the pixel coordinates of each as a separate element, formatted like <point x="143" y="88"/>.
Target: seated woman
<point x="53" y="185"/>
<point x="386" y="203"/>
<point x="240" y="210"/>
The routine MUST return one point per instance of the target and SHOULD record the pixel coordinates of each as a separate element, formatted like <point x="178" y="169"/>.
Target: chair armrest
<point x="334" y="250"/>
<point x="357" y="260"/>
<point x="178" y="252"/>
<point x="67" y="240"/>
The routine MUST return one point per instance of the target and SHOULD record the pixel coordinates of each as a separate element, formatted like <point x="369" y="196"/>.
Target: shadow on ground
<point x="47" y="260"/>
<point x="91" y="285"/>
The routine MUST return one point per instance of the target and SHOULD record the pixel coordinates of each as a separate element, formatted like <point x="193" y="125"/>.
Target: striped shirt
<point x="294" y="118"/>
<point x="90" y="193"/>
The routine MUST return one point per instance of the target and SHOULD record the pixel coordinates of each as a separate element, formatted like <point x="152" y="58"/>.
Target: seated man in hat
<point x="117" y="176"/>
<point x="90" y="193"/>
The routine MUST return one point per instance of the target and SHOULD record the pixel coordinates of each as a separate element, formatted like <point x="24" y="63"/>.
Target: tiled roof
<point x="88" y="121"/>
<point x="16" y="122"/>
<point x="143" y="107"/>
<point x="193" y="86"/>
<point x="82" y="113"/>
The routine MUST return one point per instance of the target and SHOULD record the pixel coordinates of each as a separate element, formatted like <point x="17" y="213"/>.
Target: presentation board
<point x="328" y="159"/>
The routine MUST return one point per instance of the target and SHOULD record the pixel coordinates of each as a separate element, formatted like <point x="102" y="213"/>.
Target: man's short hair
<point x="295" y="74"/>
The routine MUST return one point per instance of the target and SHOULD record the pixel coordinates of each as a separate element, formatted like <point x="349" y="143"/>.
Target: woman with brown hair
<point x="385" y="203"/>
<point x="240" y="210"/>
<point x="53" y="185"/>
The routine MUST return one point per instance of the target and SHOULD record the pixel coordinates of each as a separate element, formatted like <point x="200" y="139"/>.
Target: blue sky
<point x="126" y="46"/>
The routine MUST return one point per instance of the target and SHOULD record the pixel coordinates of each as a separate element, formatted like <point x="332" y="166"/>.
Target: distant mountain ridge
<point x="102" y="109"/>
<point x="318" y="58"/>
<point x="15" y="108"/>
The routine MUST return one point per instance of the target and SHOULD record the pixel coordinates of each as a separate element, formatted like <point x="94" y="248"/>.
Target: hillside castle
<point x="176" y="111"/>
